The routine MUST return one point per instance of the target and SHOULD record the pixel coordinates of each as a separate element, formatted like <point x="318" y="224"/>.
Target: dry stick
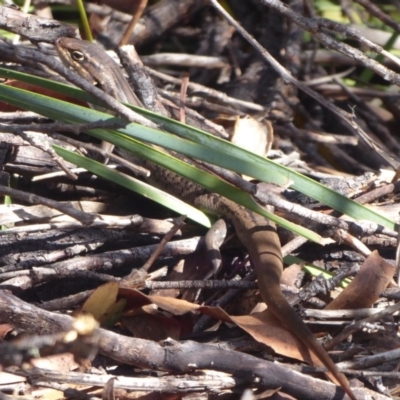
<point x="140" y="80"/>
<point x="293" y="245"/>
<point x="174" y="356"/>
<point x="34" y="28"/>
<point x="348" y="118"/>
<point x="84" y="218"/>
<point x="351" y="329"/>
<point x="342" y="236"/>
<point x="207" y="381"/>
<point x="376" y="360"/>
<point x="62" y="126"/>
<point x="377" y="193"/>
<point x="131" y="26"/>
<point x="354" y="227"/>
<point x="33" y="138"/>
<point x="203" y="284"/>
<point x="371" y="117"/>
<point x="207" y="92"/>
<point x="329" y="78"/>
<point x="185" y="60"/>
<point x="378" y="13"/>
<point x="316" y="25"/>
<point x="178" y="224"/>
<point x="182" y="99"/>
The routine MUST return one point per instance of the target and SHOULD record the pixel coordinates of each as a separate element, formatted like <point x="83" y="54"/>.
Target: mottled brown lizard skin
<point x="257" y="234"/>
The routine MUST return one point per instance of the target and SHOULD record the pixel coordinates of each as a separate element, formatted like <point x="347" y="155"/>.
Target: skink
<point x="257" y="234"/>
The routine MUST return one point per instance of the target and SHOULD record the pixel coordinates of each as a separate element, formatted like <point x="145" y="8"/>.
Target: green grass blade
<point x="60" y="110"/>
<point x="222" y="153"/>
<point x="227" y="155"/>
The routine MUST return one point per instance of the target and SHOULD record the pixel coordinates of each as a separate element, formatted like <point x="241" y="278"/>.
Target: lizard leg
<point x="213" y="241"/>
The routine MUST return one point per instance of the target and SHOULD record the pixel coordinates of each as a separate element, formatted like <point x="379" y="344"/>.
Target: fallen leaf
<point x="103" y="304"/>
<point x="374" y="276"/>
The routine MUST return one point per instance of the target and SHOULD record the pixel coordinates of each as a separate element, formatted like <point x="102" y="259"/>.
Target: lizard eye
<point x="77" y="55"/>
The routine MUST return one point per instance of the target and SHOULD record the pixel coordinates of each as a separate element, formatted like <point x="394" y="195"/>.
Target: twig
<point x="348" y="118"/>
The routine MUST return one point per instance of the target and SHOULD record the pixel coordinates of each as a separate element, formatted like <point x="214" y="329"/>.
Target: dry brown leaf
<point x="253" y="135"/>
<point x="103" y="304"/>
<point x="291" y="274"/>
<point x="261" y="326"/>
<point x="264" y="328"/>
<point x="101" y="300"/>
<point x="175" y="306"/>
<point x="374" y="276"/>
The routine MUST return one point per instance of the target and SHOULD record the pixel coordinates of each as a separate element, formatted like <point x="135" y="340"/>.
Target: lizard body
<point x="256" y="233"/>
